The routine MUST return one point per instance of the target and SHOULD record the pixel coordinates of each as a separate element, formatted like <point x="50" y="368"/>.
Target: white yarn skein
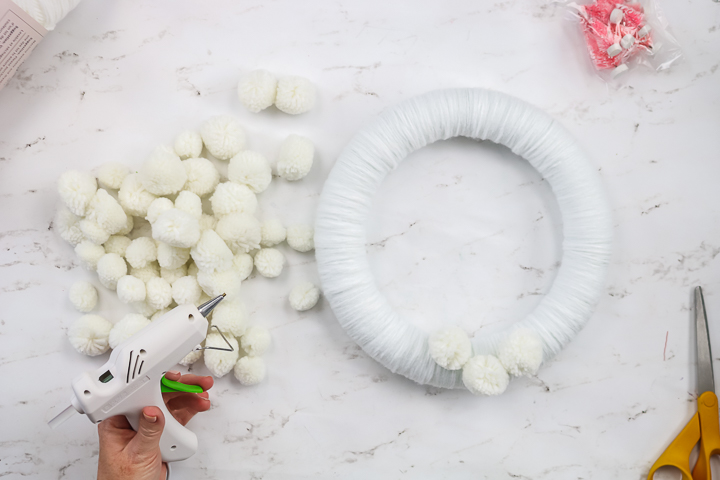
<point x="47" y="12"/>
<point x="374" y="152"/>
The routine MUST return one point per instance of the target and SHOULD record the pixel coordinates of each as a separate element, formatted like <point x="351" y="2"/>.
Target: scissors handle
<point x="704" y="427"/>
<point x="709" y="435"/>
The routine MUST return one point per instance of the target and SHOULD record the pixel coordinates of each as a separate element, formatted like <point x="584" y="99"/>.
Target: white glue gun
<point x="131" y="379"/>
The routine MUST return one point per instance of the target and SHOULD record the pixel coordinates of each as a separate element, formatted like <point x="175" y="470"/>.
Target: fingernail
<point x="174" y="372"/>
<point x="149" y="419"/>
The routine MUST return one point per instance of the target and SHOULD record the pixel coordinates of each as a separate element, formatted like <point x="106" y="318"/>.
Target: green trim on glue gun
<point x="167" y="386"/>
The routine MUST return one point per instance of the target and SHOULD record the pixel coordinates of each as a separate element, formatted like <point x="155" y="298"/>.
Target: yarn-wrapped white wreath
<point x="364" y="312"/>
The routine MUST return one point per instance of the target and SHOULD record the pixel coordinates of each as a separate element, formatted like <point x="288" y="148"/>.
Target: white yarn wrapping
<point x="375" y="151"/>
<point x="47" y="12"/>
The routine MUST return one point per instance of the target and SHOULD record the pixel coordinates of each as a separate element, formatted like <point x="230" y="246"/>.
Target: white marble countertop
<point x="462" y="233"/>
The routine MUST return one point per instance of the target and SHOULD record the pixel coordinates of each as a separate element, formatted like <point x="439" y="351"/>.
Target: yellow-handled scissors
<point x="704" y="426"/>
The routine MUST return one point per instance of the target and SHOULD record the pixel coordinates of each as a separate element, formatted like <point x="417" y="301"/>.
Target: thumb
<point x="147" y="438"/>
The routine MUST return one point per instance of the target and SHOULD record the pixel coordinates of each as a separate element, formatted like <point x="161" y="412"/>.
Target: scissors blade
<point x="705" y="378"/>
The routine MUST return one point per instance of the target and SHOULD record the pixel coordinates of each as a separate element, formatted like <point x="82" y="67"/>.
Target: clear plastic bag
<point x="622" y="35"/>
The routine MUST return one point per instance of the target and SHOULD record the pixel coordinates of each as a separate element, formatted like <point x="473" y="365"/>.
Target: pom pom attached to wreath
<point x="450" y="347"/>
<point x="485" y="375"/>
<point x="521" y="353"/>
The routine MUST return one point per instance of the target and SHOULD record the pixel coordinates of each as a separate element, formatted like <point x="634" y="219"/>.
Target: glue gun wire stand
<point x="131" y="378"/>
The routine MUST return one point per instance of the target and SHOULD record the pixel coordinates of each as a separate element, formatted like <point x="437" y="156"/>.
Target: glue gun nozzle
<point x="208" y="306"/>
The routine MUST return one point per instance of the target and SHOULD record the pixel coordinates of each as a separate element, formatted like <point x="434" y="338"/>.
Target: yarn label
<point x="19" y="35"/>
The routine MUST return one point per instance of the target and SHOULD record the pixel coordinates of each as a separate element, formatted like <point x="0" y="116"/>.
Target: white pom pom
<point x="217" y="283"/>
<point x="93" y="232"/>
<point x="89" y="335"/>
<point x="231" y="197"/>
<point x="186" y="290"/>
<point x="146" y="273"/>
<point x="223" y="136"/>
<point x="272" y="233"/>
<point x="450" y="347"/>
<point x="110" y="268"/>
<point x="301" y="238"/>
<point x="117" y="244"/>
<point x="158" y="293"/>
<point x="112" y="174"/>
<point x="188" y="145"/>
<point x="217" y="361"/>
<point x="269" y="262"/>
<point x="133" y="197"/>
<point x="189" y="203"/>
<point x="129" y="224"/>
<point x="191" y="358"/>
<point x="211" y="253"/>
<point x="83" y="296"/>
<point x="485" y="375"/>
<point x="172" y="274"/>
<point x="104" y="210"/>
<point x="304" y="296"/>
<point x="230" y="317"/>
<point x="255" y="341"/>
<point x="76" y="189"/>
<point x="131" y="289"/>
<point x="89" y="253"/>
<point x="67" y="225"/>
<point x="250" y="370"/>
<point x="251" y="169"/>
<point x="295" y="95"/>
<point x="128" y="326"/>
<point x="172" y="257"/>
<point x="295" y="158"/>
<point x="521" y="353"/>
<point x="207" y="222"/>
<point x="202" y="175"/>
<point x="243" y="264"/>
<point x="240" y="231"/>
<point x="158" y="207"/>
<point x="141" y="251"/>
<point x="163" y="172"/>
<point x="176" y="228"/>
<point x="257" y="90"/>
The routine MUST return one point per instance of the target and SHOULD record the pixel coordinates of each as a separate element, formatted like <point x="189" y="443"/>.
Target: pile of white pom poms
<point x="196" y="250"/>
<point x="520" y="354"/>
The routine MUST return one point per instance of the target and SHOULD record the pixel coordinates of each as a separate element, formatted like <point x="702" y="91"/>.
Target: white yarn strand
<point x="375" y="151"/>
<point x="47" y="13"/>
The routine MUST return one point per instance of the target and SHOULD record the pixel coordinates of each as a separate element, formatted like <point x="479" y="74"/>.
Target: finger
<point x="173" y="375"/>
<point x="118" y="422"/>
<point x="205" y="382"/>
<point x="150" y="428"/>
<point x="184" y="409"/>
<point x="191" y="401"/>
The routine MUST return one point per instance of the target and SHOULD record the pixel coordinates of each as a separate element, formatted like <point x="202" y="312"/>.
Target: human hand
<point x="129" y="455"/>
